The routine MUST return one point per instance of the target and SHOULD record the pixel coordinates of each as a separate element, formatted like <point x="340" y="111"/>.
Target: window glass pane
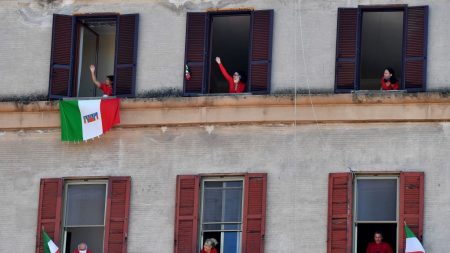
<point x="215" y="227"/>
<point x="232" y="226"/>
<point x="209" y="184"/>
<point x="233" y="184"/>
<point x="231" y="242"/>
<point x="85" y="204"/>
<point x="212" y="205"/>
<point x="233" y="205"/>
<point x="377" y="199"/>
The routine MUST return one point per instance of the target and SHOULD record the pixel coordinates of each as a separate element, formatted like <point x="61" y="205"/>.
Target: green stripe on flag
<point x="71" y="129"/>
<point x="409" y="233"/>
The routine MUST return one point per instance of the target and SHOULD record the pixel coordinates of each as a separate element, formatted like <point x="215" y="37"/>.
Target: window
<point x="107" y="40"/>
<point x="370" y="38"/>
<point x="62" y="213"/>
<point x="230" y="209"/>
<point x="355" y="211"/>
<point x="249" y="52"/>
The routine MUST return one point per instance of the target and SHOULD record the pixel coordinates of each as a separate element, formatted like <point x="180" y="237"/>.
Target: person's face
<point x="387" y="75"/>
<point x="236" y="77"/>
<point x="82" y="248"/>
<point x="378" y="238"/>
<point x="207" y="247"/>
<point x="108" y="81"/>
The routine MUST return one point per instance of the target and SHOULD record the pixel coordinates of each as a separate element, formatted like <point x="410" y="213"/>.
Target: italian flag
<point x="412" y="243"/>
<point x="82" y="120"/>
<point x="49" y="245"/>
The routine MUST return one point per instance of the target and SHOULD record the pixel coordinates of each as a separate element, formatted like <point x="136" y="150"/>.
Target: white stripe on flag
<point x="413" y="245"/>
<point x="52" y="246"/>
<point x="91" y="119"/>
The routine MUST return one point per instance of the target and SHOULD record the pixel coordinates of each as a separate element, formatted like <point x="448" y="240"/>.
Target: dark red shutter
<point x="61" y="59"/>
<point x="117" y="210"/>
<point x="346" y="74"/>
<point x="411" y="205"/>
<point x="195" y="52"/>
<point x="126" y="55"/>
<point x="415" y="57"/>
<point x="261" y="52"/>
<point x="49" y="211"/>
<point x="340" y="204"/>
<point x="186" y="214"/>
<point x="254" y="218"/>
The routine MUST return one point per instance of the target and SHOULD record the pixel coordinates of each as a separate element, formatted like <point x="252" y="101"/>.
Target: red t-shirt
<point x="107" y="89"/>
<point x="231" y="86"/>
<point x="76" y="251"/>
<point x="379" y="248"/>
<point x="213" y="250"/>
<point x="393" y="86"/>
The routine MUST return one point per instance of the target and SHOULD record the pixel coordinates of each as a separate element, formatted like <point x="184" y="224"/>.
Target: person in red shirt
<point x="378" y="246"/>
<point x="389" y="81"/>
<point x="106" y="87"/>
<point x="235" y="85"/>
<point x="209" y="246"/>
<point x="82" y="248"/>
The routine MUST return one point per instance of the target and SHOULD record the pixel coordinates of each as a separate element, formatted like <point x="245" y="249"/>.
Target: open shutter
<point x="415" y="57"/>
<point x="195" y="52"/>
<point x="49" y="211"/>
<point x="340" y="204"/>
<point x="186" y="214"/>
<point x="346" y="74"/>
<point x="254" y="218"/>
<point x="61" y="59"/>
<point x="411" y="205"/>
<point x="117" y="210"/>
<point x="126" y="55"/>
<point x="261" y="52"/>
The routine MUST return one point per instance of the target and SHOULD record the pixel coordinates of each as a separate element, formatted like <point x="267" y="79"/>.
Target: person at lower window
<point x="82" y="248"/>
<point x="389" y="81"/>
<point x="378" y="246"/>
<point x="209" y="246"/>
<point x="106" y="86"/>
<point x="235" y="85"/>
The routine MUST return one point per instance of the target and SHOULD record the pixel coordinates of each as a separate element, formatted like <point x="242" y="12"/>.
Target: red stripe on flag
<point x="110" y="110"/>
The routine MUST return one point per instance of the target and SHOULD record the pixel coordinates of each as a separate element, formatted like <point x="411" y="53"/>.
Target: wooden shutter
<point x="253" y="227"/>
<point x="117" y="210"/>
<point x="61" y="59"/>
<point x="126" y="55"/>
<point x="415" y="56"/>
<point x="195" y="52"/>
<point x="411" y="205"/>
<point x="186" y="214"/>
<point x="340" y="204"/>
<point x="346" y="73"/>
<point x="261" y="52"/>
<point x="49" y="211"/>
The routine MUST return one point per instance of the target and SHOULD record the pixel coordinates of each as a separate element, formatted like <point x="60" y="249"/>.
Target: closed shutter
<point x="195" y="52"/>
<point x="117" y="210"/>
<point x="254" y="218"/>
<point x="61" y="59"/>
<point x="186" y="214"/>
<point x="126" y="55"/>
<point x="49" y="211"/>
<point x="261" y="52"/>
<point x="415" y="57"/>
<point x="346" y="73"/>
<point x="411" y="205"/>
<point x="340" y="203"/>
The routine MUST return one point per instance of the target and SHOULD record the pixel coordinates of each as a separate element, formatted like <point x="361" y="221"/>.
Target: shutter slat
<point x="340" y="199"/>
<point x="261" y="52"/>
<point x="346" y="49"/>
<point x="254" y="218"/>
<point x="195" y="52"/>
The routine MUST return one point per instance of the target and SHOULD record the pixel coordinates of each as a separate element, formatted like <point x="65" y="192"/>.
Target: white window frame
<point x="355" y="222"/>
<point x="220" y="179"/>
<point x="80" y="182"/>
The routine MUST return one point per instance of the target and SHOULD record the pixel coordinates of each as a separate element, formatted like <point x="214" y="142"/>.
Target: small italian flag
<point x="412" y="243"/>
<point x="82" y="120"/>
<point x="49" y="245"/>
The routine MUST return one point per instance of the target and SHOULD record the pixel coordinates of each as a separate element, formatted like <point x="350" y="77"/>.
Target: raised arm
<point x="94" y="79"/>
<point x="223" y="70"/>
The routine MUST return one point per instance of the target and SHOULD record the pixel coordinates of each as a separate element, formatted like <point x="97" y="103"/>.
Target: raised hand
<point x="218" y="60"/>
<point x="92" y="68"/>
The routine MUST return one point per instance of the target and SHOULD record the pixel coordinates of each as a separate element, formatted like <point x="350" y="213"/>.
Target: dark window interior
<point x="381" y="46"/>
<point x="230" y="40"/>
<point x="366" y="234"/>
<point x="215" y="235"/>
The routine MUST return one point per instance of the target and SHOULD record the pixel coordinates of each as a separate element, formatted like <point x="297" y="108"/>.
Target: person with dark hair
<point x="378" y="246"/>
<point x="389" y="81"/>
<point x="106" y="87"/>
<point x="235" y="84"/>
<point x="209" y="246"/>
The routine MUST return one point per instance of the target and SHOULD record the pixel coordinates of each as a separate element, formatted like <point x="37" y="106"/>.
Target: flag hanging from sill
<point x="82" y="120"/>
<point x="413" y="245"/>
<point x="49" y="245"/>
